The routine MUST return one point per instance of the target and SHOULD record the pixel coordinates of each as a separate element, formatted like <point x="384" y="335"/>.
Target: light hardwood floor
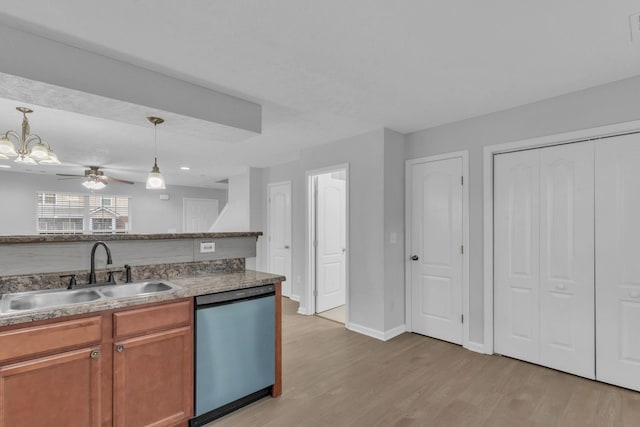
<point x="334" y="377"/>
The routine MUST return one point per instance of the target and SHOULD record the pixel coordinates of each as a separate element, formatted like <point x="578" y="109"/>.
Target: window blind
<point x="81" y="213"/>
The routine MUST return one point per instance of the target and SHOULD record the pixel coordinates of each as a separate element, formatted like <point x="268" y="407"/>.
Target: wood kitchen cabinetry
<point x="128" y="367"/>
<point x="153" y="366"/>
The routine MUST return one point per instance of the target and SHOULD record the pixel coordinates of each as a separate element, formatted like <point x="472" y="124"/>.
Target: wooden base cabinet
<point x="153" y="365"/>
<point x="57" y="390"/>
<point x="130" y="367"/>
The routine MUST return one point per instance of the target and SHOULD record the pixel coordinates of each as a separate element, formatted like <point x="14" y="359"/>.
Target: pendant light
<point x="155" y="180"/>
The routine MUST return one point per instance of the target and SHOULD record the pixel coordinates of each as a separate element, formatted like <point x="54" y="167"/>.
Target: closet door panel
<point x="567" y="258"/>
<point x="516" y="255"/>
<point x="618" y="261"/>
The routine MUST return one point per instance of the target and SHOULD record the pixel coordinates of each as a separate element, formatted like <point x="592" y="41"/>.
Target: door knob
<point x="414" y="257"/>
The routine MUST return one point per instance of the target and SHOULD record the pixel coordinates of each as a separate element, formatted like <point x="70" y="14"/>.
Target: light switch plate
<point x="207" y="247"/>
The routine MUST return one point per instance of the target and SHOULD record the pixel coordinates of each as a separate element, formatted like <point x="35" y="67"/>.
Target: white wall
<point x="149" y="214"/>
<point x="607" y="104"/>
<point x="244" y="212"/>
<point x="235" y="215"/>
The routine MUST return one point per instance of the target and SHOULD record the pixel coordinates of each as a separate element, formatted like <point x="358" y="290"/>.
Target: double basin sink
<point x="58" y="298"/>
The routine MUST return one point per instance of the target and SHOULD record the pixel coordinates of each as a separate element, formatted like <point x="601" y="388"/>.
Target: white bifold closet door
<point x="618" y="260"/>
<point x="544" y="257"/>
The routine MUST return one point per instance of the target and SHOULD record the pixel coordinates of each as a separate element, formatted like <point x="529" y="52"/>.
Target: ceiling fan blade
<point x="112" y="179"/>
<point x="73" y="175"/>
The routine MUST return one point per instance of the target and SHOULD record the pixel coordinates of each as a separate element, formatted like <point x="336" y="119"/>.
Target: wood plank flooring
<point x="334" y="377"/>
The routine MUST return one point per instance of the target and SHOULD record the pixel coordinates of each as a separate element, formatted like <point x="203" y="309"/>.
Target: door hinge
<point x="315" y="292"/>
<point x="462" y="249"/>
<point x="315" y="243"/>
<point x="462" y="180"/>
<point x="462" y="318"/>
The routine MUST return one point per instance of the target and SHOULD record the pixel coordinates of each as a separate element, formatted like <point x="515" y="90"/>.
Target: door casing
<point x="308" y="302"/>
<point x="464" y="155"/>
<point x="287" y="286"/>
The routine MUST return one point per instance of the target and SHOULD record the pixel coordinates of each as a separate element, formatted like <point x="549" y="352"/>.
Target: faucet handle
<point x="127" y="272"/>
<point x="72" y="281"/>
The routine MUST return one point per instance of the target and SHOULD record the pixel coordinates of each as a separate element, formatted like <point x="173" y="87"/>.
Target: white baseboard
<point x="374" y="333"/>
<point x="476" y="346"/>
<point x="295" y="298"/>
<point x="301" y="310"/>
<point x="392" y="333"/>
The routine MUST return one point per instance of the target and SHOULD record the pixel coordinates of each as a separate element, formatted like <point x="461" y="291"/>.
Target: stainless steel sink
<point x="137" y="288"/>
<point x="58" y="298"/>
<point x="35" y="300"/>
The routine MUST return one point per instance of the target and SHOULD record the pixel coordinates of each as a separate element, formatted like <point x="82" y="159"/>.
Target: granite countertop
<point x="192" y="286"/>
<point x="56" y="238"/>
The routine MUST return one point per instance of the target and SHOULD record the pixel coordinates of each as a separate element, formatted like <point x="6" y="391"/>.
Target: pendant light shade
<point x="155" y="180"/>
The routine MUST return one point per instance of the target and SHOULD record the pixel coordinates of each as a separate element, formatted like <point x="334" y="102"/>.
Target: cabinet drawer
<point x="18" y="343"/>
<point x="152" y="318"/>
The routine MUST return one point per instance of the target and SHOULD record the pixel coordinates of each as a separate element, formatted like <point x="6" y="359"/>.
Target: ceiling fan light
<point x="39" y="152"/>
<point x="25" y="160"/>
<point x="93" y="184"/>
<point x="52" y="160"/>
<point x="7" y="148"/>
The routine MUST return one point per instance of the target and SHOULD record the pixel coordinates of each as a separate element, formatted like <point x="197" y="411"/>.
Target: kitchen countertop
<point x="57" y="238"/>
<point x="192" y="286"/>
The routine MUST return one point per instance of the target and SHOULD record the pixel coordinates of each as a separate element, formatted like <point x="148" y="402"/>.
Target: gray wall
<point x="376" y="208"/>
<point x="149" y="214"/>
<point x="394" y="294"/>
<point x="603" y="105"/>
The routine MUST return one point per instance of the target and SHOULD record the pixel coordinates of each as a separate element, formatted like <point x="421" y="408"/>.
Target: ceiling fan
<point x="95" y="179"/>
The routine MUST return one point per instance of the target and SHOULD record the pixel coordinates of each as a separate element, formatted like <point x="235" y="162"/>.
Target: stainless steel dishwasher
<point x="235" y="350"/>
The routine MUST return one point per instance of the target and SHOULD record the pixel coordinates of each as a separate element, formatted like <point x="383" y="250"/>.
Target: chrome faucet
<point x="92" y="275"/>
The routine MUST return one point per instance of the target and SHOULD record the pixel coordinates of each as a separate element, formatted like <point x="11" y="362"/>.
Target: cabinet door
<point x="516" y="255"/>
<point x="566" y="259"/>
<point x="153" y="379"/>
<point x="618" y="261"/>
<point x="58" y="390"/>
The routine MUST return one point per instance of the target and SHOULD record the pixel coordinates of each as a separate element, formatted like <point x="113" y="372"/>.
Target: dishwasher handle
<point x="235" y="295"/>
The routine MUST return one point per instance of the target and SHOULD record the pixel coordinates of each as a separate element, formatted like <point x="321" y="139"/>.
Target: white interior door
<point x="516" y="255"/>
<point x="618" y="261"/>
<point x="436" y="245"/>
<point x="331" y="221"/>
<point x="199" y="214"/>
<point x="280" y="233"/>
<point x="567" y="318"/>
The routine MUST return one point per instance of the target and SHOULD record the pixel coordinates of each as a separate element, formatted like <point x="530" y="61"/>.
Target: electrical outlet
<point x="207" y="247"/>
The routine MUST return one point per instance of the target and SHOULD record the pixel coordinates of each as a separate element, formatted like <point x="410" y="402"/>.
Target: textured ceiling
<point x="328" y="69"/>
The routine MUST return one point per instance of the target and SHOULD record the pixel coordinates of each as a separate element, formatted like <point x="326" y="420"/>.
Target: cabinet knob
<point x="95" y="354"/>
<point x="120" y="348"/>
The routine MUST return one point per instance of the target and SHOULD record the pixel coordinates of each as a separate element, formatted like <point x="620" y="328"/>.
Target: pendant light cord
<point x="155" y="145"/>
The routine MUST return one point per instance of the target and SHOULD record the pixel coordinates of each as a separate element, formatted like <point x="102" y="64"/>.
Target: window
<point x="81" y="213"/>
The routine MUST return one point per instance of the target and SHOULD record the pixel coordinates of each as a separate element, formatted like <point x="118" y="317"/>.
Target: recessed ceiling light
<point x="185" y="168"/>
<point x="5" y="166"/>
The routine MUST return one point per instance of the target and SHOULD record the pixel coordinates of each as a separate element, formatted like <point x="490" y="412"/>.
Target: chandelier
<point x="40" y="153"/>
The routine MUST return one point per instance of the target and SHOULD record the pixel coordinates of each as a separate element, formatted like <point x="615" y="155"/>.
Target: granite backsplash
<point x="32" y="282"/>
